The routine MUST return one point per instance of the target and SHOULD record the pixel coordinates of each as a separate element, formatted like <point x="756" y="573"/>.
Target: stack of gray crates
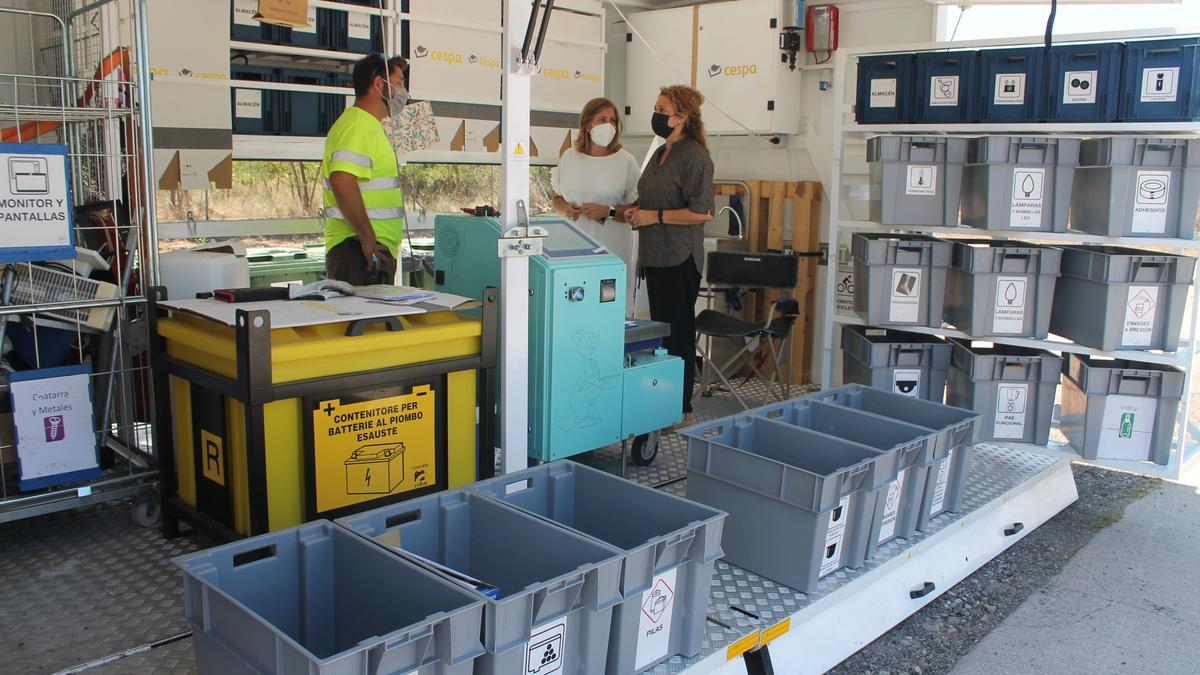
<point x="1113" y="298"/>
<point x="899" y="279"/>
<point x="1014" y="183"/>
<point x="953" y="430"/>
<point x="1128" y="186"/>
<point x="912" y="364"/>
<point x="843" y="472"/>
<point x="318" y="599"/>
<point x="1001" y="288"/>
<point x="1011" y="387"/>
<point x="915" y="180"/>
<point x="1120" y="409"/>
<point x="775" y="477"/>
<point x="898" y="503"/>
<point x="670" y="546"/>
<point x="557" y="588"/>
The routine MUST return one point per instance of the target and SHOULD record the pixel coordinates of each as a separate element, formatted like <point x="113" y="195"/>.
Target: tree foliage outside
<point x="293" y="189"/>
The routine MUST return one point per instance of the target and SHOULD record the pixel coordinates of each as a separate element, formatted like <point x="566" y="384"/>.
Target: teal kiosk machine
<point x="586" y="389"/>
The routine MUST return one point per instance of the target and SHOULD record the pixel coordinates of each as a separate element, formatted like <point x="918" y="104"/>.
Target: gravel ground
<point x="935" y="638"/>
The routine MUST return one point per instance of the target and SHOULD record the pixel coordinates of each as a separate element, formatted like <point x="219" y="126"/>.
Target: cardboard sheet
<point x="297" y="313"/>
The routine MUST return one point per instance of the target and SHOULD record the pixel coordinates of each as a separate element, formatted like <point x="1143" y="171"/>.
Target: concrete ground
<point x="1125" y="603"/>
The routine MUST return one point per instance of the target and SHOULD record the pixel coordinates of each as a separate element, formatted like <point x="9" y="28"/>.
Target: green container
<point x="269" y="266"/>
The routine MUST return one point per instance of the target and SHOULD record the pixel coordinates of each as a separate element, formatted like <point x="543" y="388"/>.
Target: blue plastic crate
<point x="885" y="85"/>
<point x="1011" y="85"/>
<point x="946" y="83"/>
<point x="335" y="104"/>
<point x="310" y="38"/>
<point x="303" y="110"/>
<point x="244" y="102"/>
<point x="1084" y="83"/>
<point x="1160" y="81"/>
<point x="248" y="30"/>
<point x="363" y="24"/>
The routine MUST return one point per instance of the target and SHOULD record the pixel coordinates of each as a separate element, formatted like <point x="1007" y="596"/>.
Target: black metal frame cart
<point x="261" y="429"/>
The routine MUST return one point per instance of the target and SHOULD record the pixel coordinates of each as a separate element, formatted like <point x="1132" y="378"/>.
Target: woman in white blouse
<point x="593" y="183"/>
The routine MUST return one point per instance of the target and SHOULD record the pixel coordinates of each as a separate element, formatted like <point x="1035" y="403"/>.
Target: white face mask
<point x="397" y="100"/>
<point x="603" y="134"/>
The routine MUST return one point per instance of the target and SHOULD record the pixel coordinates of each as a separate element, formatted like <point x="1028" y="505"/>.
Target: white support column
<point x="515" y="246"/>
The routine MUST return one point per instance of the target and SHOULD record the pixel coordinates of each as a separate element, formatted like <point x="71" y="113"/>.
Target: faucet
<point x="734" y="214"/>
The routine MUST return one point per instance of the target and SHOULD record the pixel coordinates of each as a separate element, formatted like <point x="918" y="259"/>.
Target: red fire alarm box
<point x="821" y="28"/>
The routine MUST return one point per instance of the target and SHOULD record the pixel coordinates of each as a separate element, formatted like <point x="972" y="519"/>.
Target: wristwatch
<point x="612" y="212"/>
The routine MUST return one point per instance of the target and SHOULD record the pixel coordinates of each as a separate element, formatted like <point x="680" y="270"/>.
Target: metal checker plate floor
<point x="116" y="590"/>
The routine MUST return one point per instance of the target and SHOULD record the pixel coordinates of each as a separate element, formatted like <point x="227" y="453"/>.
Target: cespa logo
<point x="556" y="73"/>
<point x="452" y="58"/>
<point x="733" y="71"/>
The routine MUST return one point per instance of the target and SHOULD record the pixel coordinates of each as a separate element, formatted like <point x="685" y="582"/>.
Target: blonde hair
<point x="590" y="110"/>
<point x="687" y="102"/>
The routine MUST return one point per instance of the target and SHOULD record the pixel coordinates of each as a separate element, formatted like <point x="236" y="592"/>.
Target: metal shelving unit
<point x="81" y="92"/>
<point x="845" y="132"/>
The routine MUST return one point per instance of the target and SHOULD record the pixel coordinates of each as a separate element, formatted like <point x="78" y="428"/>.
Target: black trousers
<point x="345" y="262"/>
<point x="673" y="292"/>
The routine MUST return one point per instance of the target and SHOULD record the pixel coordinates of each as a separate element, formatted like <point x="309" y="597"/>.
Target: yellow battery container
<point x="270" y="428"/>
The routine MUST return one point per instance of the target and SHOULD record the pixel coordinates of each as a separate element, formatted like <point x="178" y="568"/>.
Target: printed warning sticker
<point x="883" y="93"/>
<point x="943" y="90"/>
<point x="1079" y="86"/>
<point x="1150" y="198"/>
<point x="838" y="517"/>
<point x="1012" y="403"/>
<point x="544" y="651"/>
<point x="845" y="290"/>
<point x="1010" y="89"/>
<point x="907" y="382"/>
<point x="922" y="180"/>
<point x="1027" y="198"/>
<point x="938" y="503"/>
<point x="891" y="508"/>
<point x="1127" y="427"/>
<point x="366" y="450"/>
<point x="654" y="622"/>
<point x="1160" y="85"/>
<point x="906" y="296"/>
<point x="1008" y="315"/>
<point x="1141" y="308"/>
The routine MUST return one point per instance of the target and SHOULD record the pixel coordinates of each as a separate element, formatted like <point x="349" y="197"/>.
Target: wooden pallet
<point x="766" y="228"/>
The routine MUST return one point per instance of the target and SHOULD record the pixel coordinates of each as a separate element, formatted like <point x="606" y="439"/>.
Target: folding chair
<point x="746" y="272"/>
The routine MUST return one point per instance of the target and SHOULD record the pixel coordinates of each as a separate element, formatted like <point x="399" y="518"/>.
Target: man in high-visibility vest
<point x="364" y="205"/>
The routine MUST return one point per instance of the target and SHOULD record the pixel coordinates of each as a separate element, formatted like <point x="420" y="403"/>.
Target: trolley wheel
<point x="645" y="448"/>
<point x="146" y="512"/>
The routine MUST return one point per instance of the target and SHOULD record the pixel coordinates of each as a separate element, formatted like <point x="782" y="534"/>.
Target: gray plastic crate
<point x="557" y="588"/>
<point x="1120" y="409"/>
<point x="1001" y="288"/>
<point x="955" y="430"/>
<point x="1015" y="183"/>
<point x="1130" y="186"/>
<point x="1121" y="298"/>
<point x="899" y="279"/>
<point x="774" y="477"/>
<point x="318" y="599"/>
<point x="670" y="545"/>
<point x="915" y="180"/>
<point x="1011" y="387"/>
<point x="898" y="503"/>
<point x="912" y="364"/>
